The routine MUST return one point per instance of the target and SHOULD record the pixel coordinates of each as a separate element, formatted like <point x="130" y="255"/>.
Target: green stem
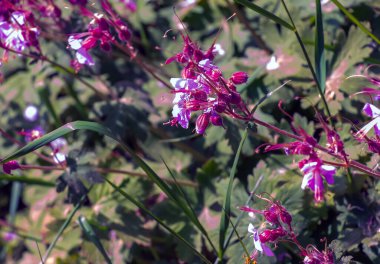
<point x="309" y="63"/>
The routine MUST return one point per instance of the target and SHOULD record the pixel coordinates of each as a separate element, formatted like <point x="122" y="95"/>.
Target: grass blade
<point x="320" y="59"/>
<point x="355" y="21"/>
<point x="147" y="211"/>
<point x="193" y="216"/>
<point x="265" y="13"/>
<point x="15" y="199"/>
<point x="224" y="220"/>
<point x="25" y="179"/>
<point x="62" y="228"/>
<point x="90" y="233"/>
<point x="92" y="126"/>
<point x="309" y="64"/>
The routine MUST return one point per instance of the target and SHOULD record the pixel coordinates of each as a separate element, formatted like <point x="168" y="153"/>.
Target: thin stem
<point x="309" y="63"/>
<point x="116" y="171"/>
<point x="351" y="163"/>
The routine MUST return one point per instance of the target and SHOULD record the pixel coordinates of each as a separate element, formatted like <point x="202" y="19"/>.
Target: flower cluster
<point x="372" y="111"/>
<point x="17" y="32"/>
<point x="312" y="167"/>
<point x="203" y="88"/>
<point x="280" y="228"/>
<point x="98" y="31"/>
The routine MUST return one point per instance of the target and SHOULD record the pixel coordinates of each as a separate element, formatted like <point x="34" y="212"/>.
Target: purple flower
<point x="374" y="112"/>
<point x="9" y="166"/>
<point x="15" y="34"/>
<point x="130" y="4"/>
<point x="9" y="236"/>
<point x="82" y="56"/>
<point x="259" y="246"/>
<point x="314" y="171"/>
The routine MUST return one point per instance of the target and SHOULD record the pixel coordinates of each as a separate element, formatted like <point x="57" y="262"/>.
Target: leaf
<point x="355" y="21"/>
<point x="320" y="60"/>
<point x="265" y="13"/>
<point x="224" y="221"/>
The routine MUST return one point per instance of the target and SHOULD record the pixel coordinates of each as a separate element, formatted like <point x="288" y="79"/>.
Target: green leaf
<point x="265" y="13"/>
<point x="90" y="233"/>
<point x="147" y="211"/>
<point x="224" y="220"/>
<point x="355" y="21"/>
<point x="320" y="60"/>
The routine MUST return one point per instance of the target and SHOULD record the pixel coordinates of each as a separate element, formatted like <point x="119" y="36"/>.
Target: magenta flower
<point x="9" y="166"/>
<point x="17" y="33"/>
<point x="82" y="56"/>
<point x="259" y="245"/>
<point x="130" y="4"/>
<point x="314" y="171"/>
<point x="374" y="112"/>
<point x="203" y="88"/>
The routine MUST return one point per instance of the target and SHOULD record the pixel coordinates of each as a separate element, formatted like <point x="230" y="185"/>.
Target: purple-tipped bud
<point x="198" y="55"/>
<point x="216" y="120"/>
<point x="271" y="215"/>
<point x="286" y="217"/>
<point x="239" y="77"/>
<point x="202" y="123"/>
<point x="9" y="166"/>
<point x="103" y="24"/>
<point x="220" y="107"/>
<point x="105" y="46"/>
<point x="235" y="98"/>
<point x="200" y="95"/>
<point x="266" y="236"/>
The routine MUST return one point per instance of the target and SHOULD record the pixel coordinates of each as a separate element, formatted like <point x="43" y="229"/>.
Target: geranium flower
<point x="259" y="246"/>
<point x="314" y="171"/>
<point x="374" y="112"/>
<point x="82" y="56"/>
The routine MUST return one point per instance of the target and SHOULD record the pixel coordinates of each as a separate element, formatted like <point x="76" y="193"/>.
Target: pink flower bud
<point x="9" y="166"/>
<point x="271" y="215"/>
<point x="202" y="123"/>
<point x="239" y="77"/>
<point x="103" y="24"/>
<point x="200" y="95"/>
<point x="216" y="120"/>
<point x="235" y="98"/>
<point x="266" y="236"/>
<point x="220" y="106"/>
<point x="286" y="217"/>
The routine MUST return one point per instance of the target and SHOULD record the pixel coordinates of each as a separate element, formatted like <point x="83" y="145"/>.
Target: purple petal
<point x="329" y="172"/>
<point x="371" y="110"/>
<point x="267" y="251"/>
<point x="84" y="57"/>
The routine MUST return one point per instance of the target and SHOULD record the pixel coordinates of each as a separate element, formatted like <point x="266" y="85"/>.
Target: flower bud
<point x="220" y="106"/>
<point x="286" y="217"/>
<point x="235" y="98"/>
<point x="202" y="123"/>
<point x="105" y="46"/>
<point x="9" y="166"/>
<point x="271" y="215"/>
<point x="103" y="24"/>
<point x="216" y="120"/>
<point x="200" y="95"/>
<point x="239" y="77"/>
<point x="266" y="236"/>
